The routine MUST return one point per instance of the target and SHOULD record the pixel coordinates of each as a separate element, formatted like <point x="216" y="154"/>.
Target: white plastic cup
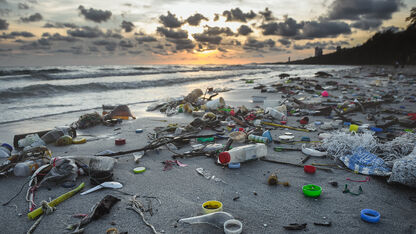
<point x="215" y="104"/>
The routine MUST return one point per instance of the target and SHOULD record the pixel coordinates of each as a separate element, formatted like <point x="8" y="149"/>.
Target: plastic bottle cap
<point x="139" y="130"/>
<point x="139" y="170"/>
<point x="211" y="206"/>
<point x="230" y="223"/>
<point x="224" y="157"/>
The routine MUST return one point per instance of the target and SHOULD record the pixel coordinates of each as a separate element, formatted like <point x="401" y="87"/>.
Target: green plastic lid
<point x="139" y="170"/>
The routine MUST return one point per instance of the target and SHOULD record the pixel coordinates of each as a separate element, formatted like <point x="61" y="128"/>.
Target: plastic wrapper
<point x="63" y="169"/>
<point x="364" y="162"/>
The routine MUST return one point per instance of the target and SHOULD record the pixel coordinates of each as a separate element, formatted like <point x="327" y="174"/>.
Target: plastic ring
<point x="233" y="222"/>
<point x="370" y="216"/>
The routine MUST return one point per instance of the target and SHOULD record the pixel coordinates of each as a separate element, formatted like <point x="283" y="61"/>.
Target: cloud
<point x="288" y="28"/>
<point x="95" y="15"/>
<point x="285" y="42"/>
<point x="330" y="45"/>
<point x="368" y="13"/>
<point x="37" y="45"/>
<point x="306" y="29"/>
<point x="112" y="34"/>
<point x="238" y="15"/>
<point x="216" y="17"/>
<point x="367" y="24"/>
<point x="244" y="30"/>
<point x="182" y="44"/>
<point x="171" y="33"/>
<point x="4" y="12"/>
<point x="170" y="20"/>
<point x="200" y="37"/>
<point x="13" y="35"/>
<point x="267" y="14"/>
<point x="126" y="44"/>
<point x="320" y="29"/>
<point x="58" y="37"/>
<point x="212" y="31"/>
<point x="127" y="26"/>
<point x="196" y="19"/>
<point x="60" y="25"/>
<point x="32" y="18"/>
<point x="253" y="44"/>
<point x="142" y="39"/>
<point x="22" y="6"/>
<point x="85" y="32"/>
<point x="3" y="24"/>
<point x="109" y="45"/>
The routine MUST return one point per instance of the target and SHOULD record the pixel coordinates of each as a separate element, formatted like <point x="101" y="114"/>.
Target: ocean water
<point x="35" y="92"/>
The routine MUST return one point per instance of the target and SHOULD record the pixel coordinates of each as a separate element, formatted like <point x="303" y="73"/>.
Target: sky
<point x="96" y="32"/>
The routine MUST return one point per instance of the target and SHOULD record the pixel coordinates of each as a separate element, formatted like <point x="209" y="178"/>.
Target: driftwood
<point x="345" y="119"/>
<point x="158" y="143"/>
<point x="293" y="164"/>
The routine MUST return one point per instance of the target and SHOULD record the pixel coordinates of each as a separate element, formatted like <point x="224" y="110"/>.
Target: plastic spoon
<point x="108" y="184"/>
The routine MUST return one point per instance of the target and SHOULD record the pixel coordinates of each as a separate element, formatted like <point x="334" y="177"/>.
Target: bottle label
<point x="251" y="153"/>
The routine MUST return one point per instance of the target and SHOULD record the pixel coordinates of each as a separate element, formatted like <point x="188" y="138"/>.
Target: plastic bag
<point x="364" y="162"/>
<point x="32" y="140"/>
<point x="63" y="169"/>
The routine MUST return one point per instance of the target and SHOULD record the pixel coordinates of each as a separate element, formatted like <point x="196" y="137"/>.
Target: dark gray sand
<point x="260" y="207"/>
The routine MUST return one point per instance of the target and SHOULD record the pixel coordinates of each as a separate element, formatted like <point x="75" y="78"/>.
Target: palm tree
<point x="412" y="17"/>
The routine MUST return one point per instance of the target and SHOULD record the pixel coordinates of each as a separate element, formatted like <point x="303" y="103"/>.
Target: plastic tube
<point x="216" y="219"/>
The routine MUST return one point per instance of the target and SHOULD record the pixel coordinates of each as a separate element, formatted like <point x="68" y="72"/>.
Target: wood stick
<point x="292" y="164"/>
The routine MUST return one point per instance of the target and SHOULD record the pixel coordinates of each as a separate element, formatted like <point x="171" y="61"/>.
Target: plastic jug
<point x="276" y="114"/>
<point x="5" y="150"/>
<point x="27" y="168"/>
<point x="243" y="153"/>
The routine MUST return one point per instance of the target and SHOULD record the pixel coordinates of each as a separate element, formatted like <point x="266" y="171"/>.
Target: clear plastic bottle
<point x="53" y="135"/>
<point x="243" y="153"/>
<point x="27" y="168"/>
<point x="276" y="114"/>
<point x="259" y="139"/>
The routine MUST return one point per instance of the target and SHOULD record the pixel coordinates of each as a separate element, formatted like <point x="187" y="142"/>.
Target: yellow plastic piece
<point x="284" y="126"/>
<point x="353" y="128"/>
<point x="121" y="117"/>
<point x="79" y="141"/>
<point x="64" y="140"/>
<point x="211" y="206"/>
<point x="56" y="201"/>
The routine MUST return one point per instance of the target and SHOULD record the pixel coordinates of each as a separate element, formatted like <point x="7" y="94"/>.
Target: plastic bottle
<point x="243" y="153"/>
<point x="53" y="135"/>
<point x="5" y="150"/>
<point x="27" y="168"/>
<point x="259" y="139"/>
<point x="276" y="114"/>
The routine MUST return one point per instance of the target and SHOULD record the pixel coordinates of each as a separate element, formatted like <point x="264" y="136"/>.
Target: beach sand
<point x="260" y="207"/>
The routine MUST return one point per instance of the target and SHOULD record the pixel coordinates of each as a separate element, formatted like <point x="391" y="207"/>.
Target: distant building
<point x="318" y="51"/>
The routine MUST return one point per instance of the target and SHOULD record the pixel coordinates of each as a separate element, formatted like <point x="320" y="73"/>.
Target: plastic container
<point x="259" y="139"/>
<point x="268" y="135"/>
<point x="243" y="153"/>
<point x="27" y="168"/>
<point x="312" y="190"/>
<point x="53" y="135"/>
<point x="309" y="169"/>
<point x="211" y="207"/>
<point x="276" y="114"/>
<point x="215" y="104"/>
<point x="5" y="150"/>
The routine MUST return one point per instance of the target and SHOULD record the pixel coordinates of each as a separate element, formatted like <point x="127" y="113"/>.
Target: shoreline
<point x="260" y="207"/>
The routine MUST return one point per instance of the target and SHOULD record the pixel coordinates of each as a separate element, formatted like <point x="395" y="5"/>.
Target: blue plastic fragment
<point x="233" y="165"/>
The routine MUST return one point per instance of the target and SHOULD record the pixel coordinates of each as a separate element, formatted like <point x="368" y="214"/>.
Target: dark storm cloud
<point x="4" y="12"/>
<point x="213" y="31"/>
<point x="109" y="45"/>
<point x="36" y="45"/>
<point x="127" y="26"/>
<point x="196" y="19"/>
<point x="60" y="25"/>
<point x="285" y="42"/>
<point x="267" y="14"/>
<point x="244" y="30"/>
<point x="95" y="15"/>
<point x="13" y="35"/>
<point x="22" y="6"/>
<point x="126" y="44"/>
<point x="170" y="20"/>
<point x="32" y="18"/>
<point x="238" y="15"/>
<point x="44" y="42"/>
<point x="306" y="29"/>
<point x="171" y="33"/>
<point x="253" y="44"/>
<point x="200" y="37"/>
<point x="142" y="39"/>
<point x="71" y="50"/>
<point x="320" y="29"/>
<point x="85" y="32"/>
<point x="368" y="14"/>
<point x="112" y="34"/>
<point x="182" y="44"/>
<point x="3" y="24"/>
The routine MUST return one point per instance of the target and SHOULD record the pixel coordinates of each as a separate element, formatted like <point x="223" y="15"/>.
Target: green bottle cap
<point x="139" y="170"/>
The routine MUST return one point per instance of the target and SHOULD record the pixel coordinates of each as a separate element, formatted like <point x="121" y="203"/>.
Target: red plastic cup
<point x="309" y="169"/>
